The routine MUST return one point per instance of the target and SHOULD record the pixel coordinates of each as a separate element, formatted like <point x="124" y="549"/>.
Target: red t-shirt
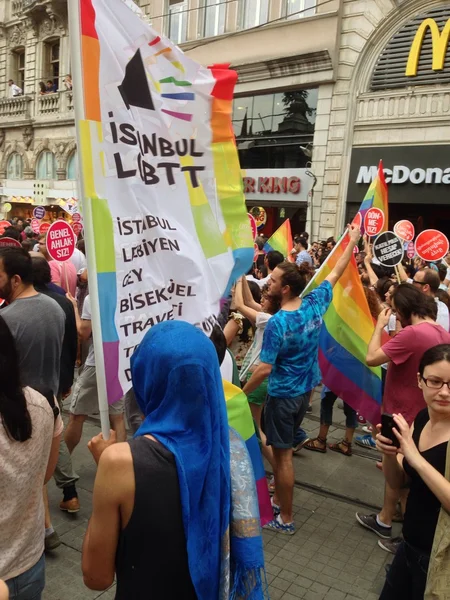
<point x="401" y="393"/>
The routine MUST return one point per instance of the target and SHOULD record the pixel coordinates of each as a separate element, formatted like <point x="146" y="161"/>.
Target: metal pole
<point x="73" y="8"/>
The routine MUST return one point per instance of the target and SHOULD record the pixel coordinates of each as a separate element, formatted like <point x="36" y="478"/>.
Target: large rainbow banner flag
<point x="166" y="225"/>
<point x="281" y="240"/>
<point x="377" y="198"/>
<point x="345" y="335"/>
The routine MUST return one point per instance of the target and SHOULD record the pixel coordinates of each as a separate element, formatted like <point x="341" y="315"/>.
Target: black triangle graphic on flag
<point x="134" y="87"/>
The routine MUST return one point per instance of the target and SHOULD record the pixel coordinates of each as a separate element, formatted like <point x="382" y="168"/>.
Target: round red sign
<point x="253" y="225"/>
<point x="411" y="250"/>
<point x="77" y="228"/>
<point x="404" y="230"/>
<point x="3" y="226"/>
<point x="431" y="245"/>
<point x="44" y="227"/>
<point x="60" y="241"/>
<point x="76" y="217"/>
<point x="373" y="221"/>
<point x="357" y="220"/>
<point x="8" y="242"/>
<point x="35" y="224"/>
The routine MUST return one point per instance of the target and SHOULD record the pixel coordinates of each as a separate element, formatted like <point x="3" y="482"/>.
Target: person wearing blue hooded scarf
<point x="177" y="505"/>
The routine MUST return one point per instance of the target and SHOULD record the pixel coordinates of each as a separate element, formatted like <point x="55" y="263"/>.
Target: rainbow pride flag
<point x="240" y="419"/>
<point x="281" y="241"/>
<point x="346" y="331"/>
<point x="376" y="197"/>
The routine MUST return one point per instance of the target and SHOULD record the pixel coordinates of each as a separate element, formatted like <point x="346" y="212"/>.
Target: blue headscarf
<point x="176" y="379"/>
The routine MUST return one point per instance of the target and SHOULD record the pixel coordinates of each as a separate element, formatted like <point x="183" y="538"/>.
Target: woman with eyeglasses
<point x="419" y="463"/>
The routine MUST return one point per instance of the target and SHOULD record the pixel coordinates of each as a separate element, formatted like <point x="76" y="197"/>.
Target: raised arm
<point x="368" y="262"/>
<point x="336" y="273"/>
<point x="248" y="298"/>
<point x="242" y="306"/>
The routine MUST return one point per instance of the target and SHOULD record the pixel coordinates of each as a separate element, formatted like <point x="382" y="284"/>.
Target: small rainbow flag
<point x="344" y="338"/>
<point x="376" y="197"/>
<point x="281" y="241"/>
<point x="240" y="419"/>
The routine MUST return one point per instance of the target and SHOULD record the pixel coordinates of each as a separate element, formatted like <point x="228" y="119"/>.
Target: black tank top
<point x="422" y="507"/>
<point x="151" y="559"/>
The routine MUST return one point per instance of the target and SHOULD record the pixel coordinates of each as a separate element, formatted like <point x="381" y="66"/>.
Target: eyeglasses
<point x="435" y="384"/>
<point x="419" y="282"/>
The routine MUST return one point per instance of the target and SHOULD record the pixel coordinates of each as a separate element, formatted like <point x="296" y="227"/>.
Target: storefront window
<point x="46" y="166"/>
<point x="275" y="130"/>
<point x="15" y="166"/>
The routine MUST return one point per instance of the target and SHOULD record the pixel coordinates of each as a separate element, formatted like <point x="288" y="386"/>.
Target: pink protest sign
<point x="404" y="230"/>
<point x="431" y="244"/>
<point x="373" y="221"/>
<point x="35" y="224"/>
<point x="8" y="242"/>
<point x="76" y="217"/>
<point x="77" y="228"/>
<point x="60" y="241"/>
<point x="44" y="227"/>
<point x="411" y="250"/>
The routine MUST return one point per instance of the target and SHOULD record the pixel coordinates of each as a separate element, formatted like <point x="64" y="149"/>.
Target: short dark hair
<point x="409" y="301"/>
<point x="219" y="341"/>
<point x="442" y="270"/>
<point x="259" y="241"/>
<point x="434" y="355"/>
<point x="292" y="277"/>
<point x="42" y="274"/>
<point x="255" y="291"/>
<point x="17" y="261"/>
<point x="431" y="278"/>
<point x="13" y="233"/>
<point x="274" y="258"/>
<point x="303" y="242"/>
<point x="444" y="297"/>
<point x="49" y="81"/>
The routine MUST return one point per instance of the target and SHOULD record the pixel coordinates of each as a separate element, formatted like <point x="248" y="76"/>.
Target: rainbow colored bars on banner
<point x="376" y="197"/>
<point x="281" y="240"/>
<point x="240" y="419"/>
<point x="344" y="338"/>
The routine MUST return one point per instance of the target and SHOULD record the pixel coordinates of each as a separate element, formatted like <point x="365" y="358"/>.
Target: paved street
<point x="330" y="557"/>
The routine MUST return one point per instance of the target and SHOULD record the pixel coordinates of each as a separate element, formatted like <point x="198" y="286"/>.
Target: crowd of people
<point x="191" y="401"/>
<point x="44" y="87"/>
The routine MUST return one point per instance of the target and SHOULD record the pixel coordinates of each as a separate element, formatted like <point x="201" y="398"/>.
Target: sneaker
<point x="70" y="506"/>
<point x="370" y="522"/>
<point x="309" y="409"/>
<point x="278" y="525"/>
<point x="361" y="419"/>
<point x="52" y="541"/>
<point x="276" y="509"/>
<point x="390" y="545"/>
<point x="367" y="428"/>
<point x="298" y="447"/>
<point x="365" y="441"/>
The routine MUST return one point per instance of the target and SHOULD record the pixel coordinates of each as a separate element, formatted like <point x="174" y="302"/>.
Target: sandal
<point x="337" y="447"/>
<point x="312" y="445"/>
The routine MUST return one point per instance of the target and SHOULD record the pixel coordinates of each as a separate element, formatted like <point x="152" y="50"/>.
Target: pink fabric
<point x="402" y="394"/>
<point x="265" y="507"/>
<point x="64" y="274"/>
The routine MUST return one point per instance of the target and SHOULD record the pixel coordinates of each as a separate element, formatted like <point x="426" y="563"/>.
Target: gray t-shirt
<point x="37" y="325"/>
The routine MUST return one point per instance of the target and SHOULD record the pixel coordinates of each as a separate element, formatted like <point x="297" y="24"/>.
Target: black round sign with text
<point x="388" y="249"/>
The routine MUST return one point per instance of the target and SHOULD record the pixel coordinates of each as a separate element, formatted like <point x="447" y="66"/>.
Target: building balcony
<point x="49" y="108"/>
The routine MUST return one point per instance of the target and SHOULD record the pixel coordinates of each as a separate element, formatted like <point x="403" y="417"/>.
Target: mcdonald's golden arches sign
<point x="418" y="54"/>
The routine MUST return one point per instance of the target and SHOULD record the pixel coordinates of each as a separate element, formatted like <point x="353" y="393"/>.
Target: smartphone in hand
<point x="387" y="424"/>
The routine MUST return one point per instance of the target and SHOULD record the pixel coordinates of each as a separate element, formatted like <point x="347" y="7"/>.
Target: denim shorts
<point x="28" y="585"/>
<point x="282" y="417"/>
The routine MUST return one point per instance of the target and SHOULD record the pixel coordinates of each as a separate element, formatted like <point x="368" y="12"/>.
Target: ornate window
<point x="14" y="168"/>
<point x="72" y="166"/>
<point x="46" y="165"/>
